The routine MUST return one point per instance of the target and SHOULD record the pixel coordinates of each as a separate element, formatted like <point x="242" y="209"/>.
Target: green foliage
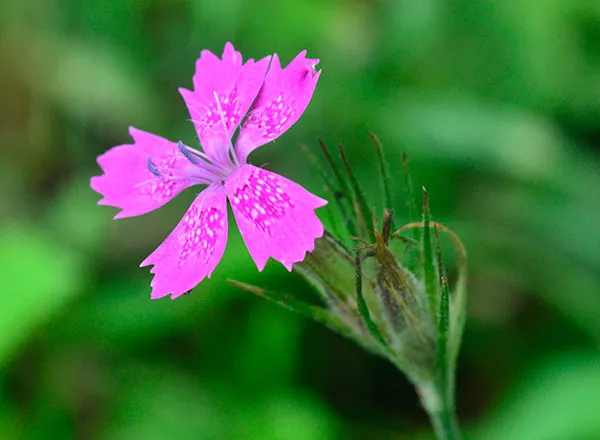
<point x="497" y="104"/>
<point x="557" y="398"/>
<point x="39" y="277"/>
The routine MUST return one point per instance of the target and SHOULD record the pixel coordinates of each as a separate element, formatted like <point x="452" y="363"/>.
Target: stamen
<point x="152" y="168"/>
<point x="187" y="153"/>
<point x="222" y="116"/>
<point x="170" y="172"/>
<point x="210" y="168"/>
<point x="198" y="153"/>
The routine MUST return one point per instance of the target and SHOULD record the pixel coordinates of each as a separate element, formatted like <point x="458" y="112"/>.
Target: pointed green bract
<point x="327" y="180"/>
<point x="427" y="260"/>
<point x="362" y="305"/>
<point x="336" y="195"/>
<point x="384" y="174"/>
<point x="459" y="298"/>
<point x="338" y="226"/>
<point x="410" y="195"/>
<point x="325" y="268"/>
<point x="330" y="270"/>
<point x="413" y="259"/>
<point x="288" y="301"/>
<point x="394" y="303"/>
<point x="360" y="201"/>
<point x="443" y="323"/>
<point x="346" y="192"/>
<point x="443" y="361"/>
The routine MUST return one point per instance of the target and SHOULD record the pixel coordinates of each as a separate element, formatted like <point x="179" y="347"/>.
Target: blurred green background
<point x="497" y="103"/>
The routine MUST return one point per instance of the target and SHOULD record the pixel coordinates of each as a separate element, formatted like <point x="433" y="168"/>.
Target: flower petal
<point x="127" y="182"/>
<point x="235" y="84"/>
<point x="275" y="215"/>
<point x="191" y="252"/>
<point x="283" y="98"/>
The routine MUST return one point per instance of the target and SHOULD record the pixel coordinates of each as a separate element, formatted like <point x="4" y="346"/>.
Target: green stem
<point x="438" y="401"/>
<point x="445" y="425"/>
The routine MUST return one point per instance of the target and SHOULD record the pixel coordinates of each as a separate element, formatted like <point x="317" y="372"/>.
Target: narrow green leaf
<point x="336" y="195"/>
<point x="427" y="260"/>
<point x="362" y="305"/>
<point x="288" y="301"/>
<point x="338" y="227"/>
<point x="459" y="294"/>
<point x="344" y="193"/>
<point x="329" y="182"/>
<point x="439" y="263"/>
<point x="326" y="269"/>
<point x="384" y="174"/>
<point x="410" y="196"/>
<point x="459" y="297"/>
<point x="443" y="316"/>
<point x="319" y="314"/>
<point x="408" y="242"/>
<point x="362" y="206"/>
<point x="412" y="259"/>
<point x="333" y="288"/>
<point x="338" y="244"/>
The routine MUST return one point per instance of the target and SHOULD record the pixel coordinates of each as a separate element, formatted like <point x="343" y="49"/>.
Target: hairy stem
<point x="438" y="400"/>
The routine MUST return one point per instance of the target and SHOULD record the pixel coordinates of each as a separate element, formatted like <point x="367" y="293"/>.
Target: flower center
<point x="199" y="168"/>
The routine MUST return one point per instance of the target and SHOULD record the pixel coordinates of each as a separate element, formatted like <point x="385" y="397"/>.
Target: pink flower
<point x="275" y="215"/>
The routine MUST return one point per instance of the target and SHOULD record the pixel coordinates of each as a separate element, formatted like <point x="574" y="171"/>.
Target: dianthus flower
<point x="275" y="215"/>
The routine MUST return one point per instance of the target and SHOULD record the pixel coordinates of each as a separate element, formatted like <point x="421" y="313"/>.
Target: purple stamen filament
<point x="187" y="153"/>
<point x="202" y="171"/>
<point x="210" y="170"/>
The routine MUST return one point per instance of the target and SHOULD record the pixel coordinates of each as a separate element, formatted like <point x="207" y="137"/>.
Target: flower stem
<point x="445" y="425"/>
<point x="438" y="400"/>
